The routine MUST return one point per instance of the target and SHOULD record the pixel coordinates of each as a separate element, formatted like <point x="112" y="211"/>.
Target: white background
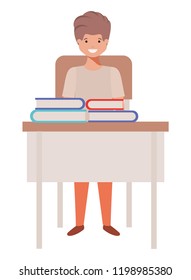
<point x="156" y="36"/>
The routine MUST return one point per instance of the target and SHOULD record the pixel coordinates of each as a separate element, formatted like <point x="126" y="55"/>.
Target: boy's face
<point x="92" y="45"/>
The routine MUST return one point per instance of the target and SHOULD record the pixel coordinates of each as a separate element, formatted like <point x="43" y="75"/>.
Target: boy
<point x="93" y="80"/>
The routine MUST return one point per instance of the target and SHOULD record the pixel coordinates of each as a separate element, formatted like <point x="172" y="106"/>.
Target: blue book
<point x="59" y="103"/>
<point x="58" y="115"/>
<point x="112" y="116"/>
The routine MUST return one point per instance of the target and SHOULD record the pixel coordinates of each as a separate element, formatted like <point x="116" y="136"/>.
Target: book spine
<point x="32" y="116"/>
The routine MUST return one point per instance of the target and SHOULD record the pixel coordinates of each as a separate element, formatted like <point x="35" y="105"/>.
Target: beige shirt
<point x="104" y="82"/>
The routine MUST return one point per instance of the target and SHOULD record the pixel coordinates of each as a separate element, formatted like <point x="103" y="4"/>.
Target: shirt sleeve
<point x="117" y="89"/>
<point x="69" y="89"/>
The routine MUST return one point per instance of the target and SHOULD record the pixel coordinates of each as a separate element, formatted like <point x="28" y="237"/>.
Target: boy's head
<point x="92" y="32"/>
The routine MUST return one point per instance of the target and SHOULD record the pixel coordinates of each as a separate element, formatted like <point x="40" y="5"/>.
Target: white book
<point x="58" y="115"/>
<point x="59" y="103"/>
<point x="112" y="116"/>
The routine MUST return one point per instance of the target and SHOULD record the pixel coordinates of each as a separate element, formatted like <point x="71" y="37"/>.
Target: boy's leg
<point x="105" y="194"/>
<point x="81" y="192"/>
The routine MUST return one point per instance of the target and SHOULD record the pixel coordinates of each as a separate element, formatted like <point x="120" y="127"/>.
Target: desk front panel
<point x="94" y="156"/>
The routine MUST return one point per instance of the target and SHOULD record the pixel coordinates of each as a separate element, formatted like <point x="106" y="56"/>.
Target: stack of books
<point x="59" y="110"/>
<point x="109" y="110"/>
<point x="77" y="110"/>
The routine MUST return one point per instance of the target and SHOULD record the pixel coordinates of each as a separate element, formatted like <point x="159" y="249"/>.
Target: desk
<point x="69" y="152"/>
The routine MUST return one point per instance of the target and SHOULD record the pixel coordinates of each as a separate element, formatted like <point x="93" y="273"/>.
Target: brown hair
<point x="92" y="23"/>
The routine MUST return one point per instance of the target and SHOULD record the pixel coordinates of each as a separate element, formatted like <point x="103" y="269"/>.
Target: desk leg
<point x="129" y="204"/>
<point x="154" y="190"/>
<point x="39" y="215"/>
<point x="60" y="204"/>
<point x="39" y="192"/>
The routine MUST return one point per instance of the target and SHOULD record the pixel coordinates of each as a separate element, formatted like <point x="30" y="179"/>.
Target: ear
<point x="106" y="41"/>
<point x="79" y="41"/>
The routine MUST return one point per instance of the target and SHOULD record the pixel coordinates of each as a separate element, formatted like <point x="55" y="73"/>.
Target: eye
<point x="99" y="41"/>
<point x="86" y="41"/>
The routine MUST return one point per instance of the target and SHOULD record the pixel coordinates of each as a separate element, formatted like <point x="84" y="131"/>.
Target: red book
<point x="105" y="104"/>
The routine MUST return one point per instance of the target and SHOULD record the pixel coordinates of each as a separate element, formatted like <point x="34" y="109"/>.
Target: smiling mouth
<point x="92" y="50"/>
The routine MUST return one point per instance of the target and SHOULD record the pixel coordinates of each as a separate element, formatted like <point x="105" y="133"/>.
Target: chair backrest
<point x="122" y="63"/>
